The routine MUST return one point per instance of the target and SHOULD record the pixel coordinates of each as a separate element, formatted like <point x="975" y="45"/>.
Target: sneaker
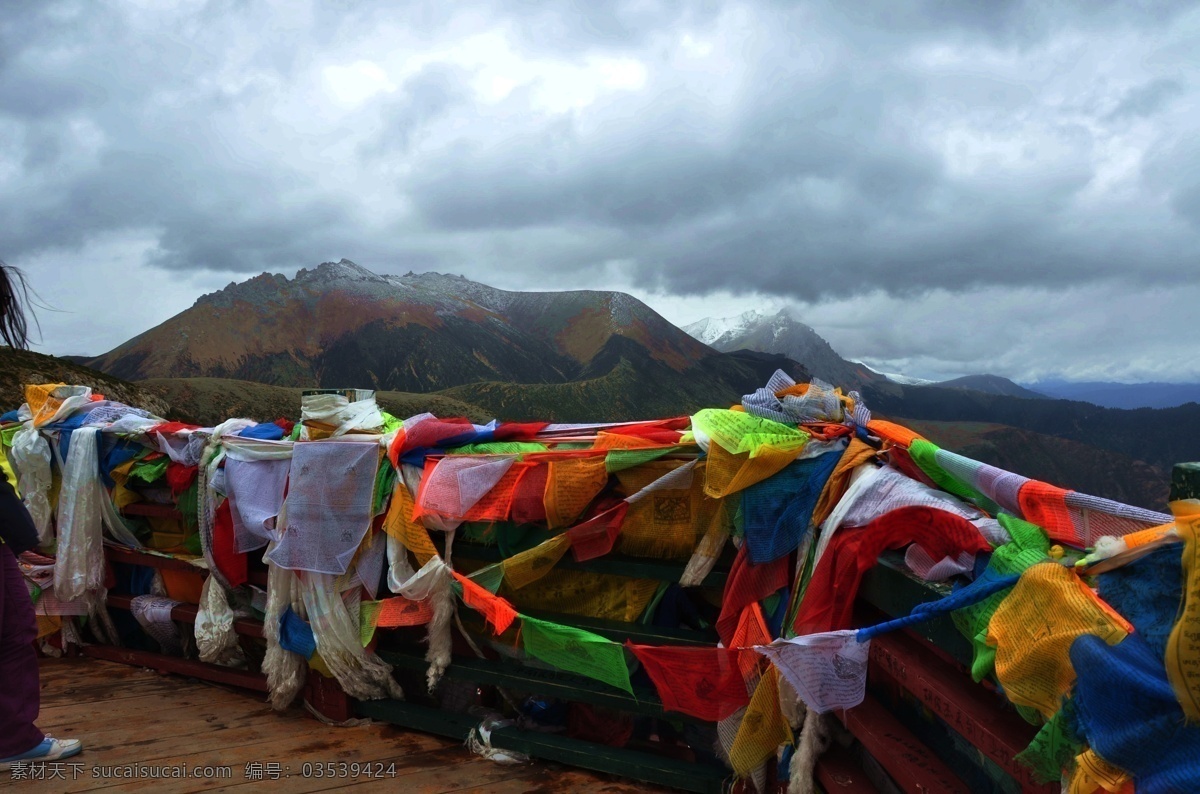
<point x="50" y="749"/>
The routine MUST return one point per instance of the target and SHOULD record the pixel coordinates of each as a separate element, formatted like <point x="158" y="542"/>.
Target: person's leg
<point x="20" y="690"/>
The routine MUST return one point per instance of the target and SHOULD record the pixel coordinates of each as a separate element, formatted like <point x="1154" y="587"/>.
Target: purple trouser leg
<point x="20" y="690"/>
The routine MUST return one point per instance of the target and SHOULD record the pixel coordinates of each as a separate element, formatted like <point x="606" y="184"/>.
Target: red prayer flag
<point x="426" y="433"/>
<point x="829" y="599"/>
<point x="518" y="431"/>
<point x="596" y="536"/>
<point x="400" y="611"/>
<point x="167" y="428"/>
<point x="1045" y="505"/>
<point x="748" y="583"/>
<point x="224" y="550"/>
<point x="497" y="611"/>
<point x="705" y="683"/>
<point x="496" y="503"/>
<point x="180" y="477"/>
<point x="528" y="502"/>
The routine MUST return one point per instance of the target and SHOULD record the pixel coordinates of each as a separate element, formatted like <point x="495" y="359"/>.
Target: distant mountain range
<point x="781" y="333"/>
<point x="1121" y="395"/>
<point x="456" y="347"/>
<point x="1125" y="455"/>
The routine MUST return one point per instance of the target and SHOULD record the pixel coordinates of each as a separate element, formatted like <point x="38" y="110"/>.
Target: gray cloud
<point x="812" y="152"/>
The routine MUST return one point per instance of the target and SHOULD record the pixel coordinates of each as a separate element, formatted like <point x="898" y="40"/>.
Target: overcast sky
<point x="938" y="188"/>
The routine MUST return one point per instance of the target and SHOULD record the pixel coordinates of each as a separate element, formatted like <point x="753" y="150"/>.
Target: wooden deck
<point x="129" y="716"/>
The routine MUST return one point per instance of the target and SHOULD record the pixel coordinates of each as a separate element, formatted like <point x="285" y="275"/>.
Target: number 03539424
<point x="348" y="769"/>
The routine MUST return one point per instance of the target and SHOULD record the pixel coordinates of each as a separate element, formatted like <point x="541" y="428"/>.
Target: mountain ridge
<point x="991" y="384"/>
<point x="340" y="324"/>
<point x="1109" y="394"/>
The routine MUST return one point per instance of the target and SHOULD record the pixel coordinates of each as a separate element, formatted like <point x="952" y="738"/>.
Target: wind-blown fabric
<point x="1147" y="592"/>
<point x="829" y="599"/>
<point x="1033" y="629"/>
<point x="453" y="485"/>
<point x="777" y="512"/>
<point x="1128" y="712"/>
<point x="748" y="584"/>
<point x="799" y="478"/>
<point x="330" y="505"/>
<point x="577" y="651"/>
<point x="828" y="670"/>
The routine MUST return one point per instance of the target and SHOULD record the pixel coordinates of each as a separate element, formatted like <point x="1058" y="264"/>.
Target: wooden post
<point x="1185" y="481"/>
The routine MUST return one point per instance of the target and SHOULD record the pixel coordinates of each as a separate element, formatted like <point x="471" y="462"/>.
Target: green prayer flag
<point x="149" y="471"/>
<point x="390" y="422"/>
<point x="621" y="459"/>
<point x="498" y="448"/>
<point x="368" y="619"/>
<point x="737" y="431"/>
<point x="385" y="481"/>
<point x="576" y="651"/>
<point x="923" y="453"/>
<point x="1027" y="546"/>
<point x="1054" y="747"/>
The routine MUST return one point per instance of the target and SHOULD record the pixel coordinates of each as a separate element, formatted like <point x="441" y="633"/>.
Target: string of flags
<point x="367" y="523"/>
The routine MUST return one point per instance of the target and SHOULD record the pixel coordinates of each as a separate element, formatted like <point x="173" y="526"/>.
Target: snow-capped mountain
<point x="781" y="333"/>
<point x="714" y="331"/>
<point x="896" y="377"/>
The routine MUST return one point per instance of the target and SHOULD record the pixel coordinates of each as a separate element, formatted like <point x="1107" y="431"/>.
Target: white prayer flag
<point x="828" y="670"/>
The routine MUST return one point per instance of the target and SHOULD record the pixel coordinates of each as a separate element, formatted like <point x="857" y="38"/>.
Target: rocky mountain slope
<point x="340" y="325"/>
<point x="454" y="346"/>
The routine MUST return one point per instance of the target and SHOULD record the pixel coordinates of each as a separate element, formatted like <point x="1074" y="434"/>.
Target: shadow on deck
<point x="129" y="718"/>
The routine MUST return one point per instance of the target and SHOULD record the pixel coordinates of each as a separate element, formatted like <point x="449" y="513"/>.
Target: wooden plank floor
<point x="129" y="716"/>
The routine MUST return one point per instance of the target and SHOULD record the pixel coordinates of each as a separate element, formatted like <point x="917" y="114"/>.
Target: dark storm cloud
<point x="831" y="172"/>
<point x="812" y="151"/>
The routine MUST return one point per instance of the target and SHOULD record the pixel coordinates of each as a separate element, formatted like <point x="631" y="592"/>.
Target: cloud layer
<point x="1013" y="185"/>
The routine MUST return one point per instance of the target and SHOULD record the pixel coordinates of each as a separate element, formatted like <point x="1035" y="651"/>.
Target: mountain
<point x="454" y="346"/>
<point x="1122" y="395"/>
<point x="19" y="367"/>
<point x="341" y="325"/>
<point x="782" y="334"/>
<point x="991" y="384"/>
<point x="1159" y="437"/>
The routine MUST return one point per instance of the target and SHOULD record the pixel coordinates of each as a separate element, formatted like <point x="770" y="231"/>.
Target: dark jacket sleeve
<point x="16" y="525"/>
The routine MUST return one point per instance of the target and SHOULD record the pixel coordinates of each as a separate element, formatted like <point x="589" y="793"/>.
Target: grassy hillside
<point x="1159" y="436"/>
<point x="20" y="367"/>
<point x="1060" y="461"/>
<point x="207" y="401"/>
